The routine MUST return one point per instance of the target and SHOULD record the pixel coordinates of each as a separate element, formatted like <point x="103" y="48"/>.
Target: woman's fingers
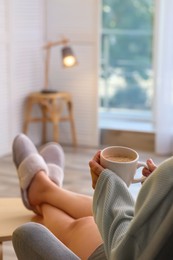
<point x="95" y="168"/>
<point x="97" y="157"/>
<point x="151" y="167"/>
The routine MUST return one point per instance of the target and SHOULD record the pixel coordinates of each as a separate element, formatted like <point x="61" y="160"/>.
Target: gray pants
<point x="36" y="242"/>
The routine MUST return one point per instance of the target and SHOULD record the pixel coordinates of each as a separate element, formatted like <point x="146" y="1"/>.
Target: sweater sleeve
<point x="140" y="236"/>
<point x="113" y="208"/>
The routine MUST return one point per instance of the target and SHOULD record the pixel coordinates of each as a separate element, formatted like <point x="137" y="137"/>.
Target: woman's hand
<point x="151" y="167"/>
<point x="95" y="168"/>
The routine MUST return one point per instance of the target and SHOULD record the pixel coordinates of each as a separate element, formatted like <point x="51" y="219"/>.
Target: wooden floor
<point x="77" y="178"/>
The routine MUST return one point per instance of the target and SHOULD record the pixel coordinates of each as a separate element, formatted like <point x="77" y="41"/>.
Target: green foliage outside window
<point x="126" y="71"/>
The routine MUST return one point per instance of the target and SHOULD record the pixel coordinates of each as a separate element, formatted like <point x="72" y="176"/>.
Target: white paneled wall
<point x="26" y="24"/>
<point x="79" y="21"/>
<point x="4" y="82"/>
<point x="21" y="63"/>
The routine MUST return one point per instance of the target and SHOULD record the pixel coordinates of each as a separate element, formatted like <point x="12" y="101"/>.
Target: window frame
<point x="132" y="120"/>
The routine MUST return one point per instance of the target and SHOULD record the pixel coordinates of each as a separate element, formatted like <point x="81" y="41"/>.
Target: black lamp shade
<point x="68" y="57"/>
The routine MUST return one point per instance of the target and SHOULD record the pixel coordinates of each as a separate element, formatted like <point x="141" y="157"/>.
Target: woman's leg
<point x="43" y="191"/>
<point x="33" y="241"/>
<point x="47" y="189"/>
<point x="66" y="214"/>
<point x="79" y="235"/>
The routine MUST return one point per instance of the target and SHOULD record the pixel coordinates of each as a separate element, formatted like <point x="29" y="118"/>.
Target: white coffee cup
<point x="123" y="161"/>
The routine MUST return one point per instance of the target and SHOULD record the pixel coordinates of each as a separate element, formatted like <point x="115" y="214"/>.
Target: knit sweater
<point x="134" y="230"/>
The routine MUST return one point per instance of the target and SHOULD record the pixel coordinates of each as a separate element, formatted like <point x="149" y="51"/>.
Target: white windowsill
<point x="126" y="123"/>
<point x="145" y="127"/>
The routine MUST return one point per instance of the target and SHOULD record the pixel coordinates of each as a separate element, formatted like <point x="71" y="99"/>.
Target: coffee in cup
<point x="124" y="161"/>
<point x="119" y="158"/>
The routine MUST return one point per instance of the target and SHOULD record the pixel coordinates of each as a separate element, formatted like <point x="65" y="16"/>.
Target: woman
<point x="69" y="216"/>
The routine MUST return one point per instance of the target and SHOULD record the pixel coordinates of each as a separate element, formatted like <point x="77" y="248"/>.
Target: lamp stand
<point x="48" y="47"/>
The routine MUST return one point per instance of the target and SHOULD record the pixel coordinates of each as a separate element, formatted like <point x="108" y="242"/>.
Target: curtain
<point x="164" y="77"/>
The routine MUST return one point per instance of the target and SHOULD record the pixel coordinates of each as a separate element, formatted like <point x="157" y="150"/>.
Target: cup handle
<point x="142" y="179"/>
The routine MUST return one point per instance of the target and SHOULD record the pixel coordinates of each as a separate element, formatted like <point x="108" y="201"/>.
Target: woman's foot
<point x="39" y="187"/>
<point x="39" y="190"/>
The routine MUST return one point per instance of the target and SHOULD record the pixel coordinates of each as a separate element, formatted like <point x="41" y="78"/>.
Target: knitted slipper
<point x="53" y="155"/>
<point x="28" y="162"/>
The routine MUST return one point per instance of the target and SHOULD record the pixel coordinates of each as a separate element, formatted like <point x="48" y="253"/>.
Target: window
<point x="126" y="76"/>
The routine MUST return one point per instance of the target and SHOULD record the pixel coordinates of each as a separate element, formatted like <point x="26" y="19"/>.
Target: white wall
<point x="23" y="26"/>
<point x="79" y="21"/>
<point x="4" y="83"/>
<point x="21" y="63"/>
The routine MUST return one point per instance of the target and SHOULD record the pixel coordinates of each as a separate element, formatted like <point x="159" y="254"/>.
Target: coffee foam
<point x="119" y="158"/>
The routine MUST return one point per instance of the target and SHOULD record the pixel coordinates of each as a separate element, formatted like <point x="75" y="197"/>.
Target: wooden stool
<point x="51" y="106"/>
<point x="12" y="215"/>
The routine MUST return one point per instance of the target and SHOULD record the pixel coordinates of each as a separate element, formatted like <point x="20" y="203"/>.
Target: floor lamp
<point x="68" y="60"/>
